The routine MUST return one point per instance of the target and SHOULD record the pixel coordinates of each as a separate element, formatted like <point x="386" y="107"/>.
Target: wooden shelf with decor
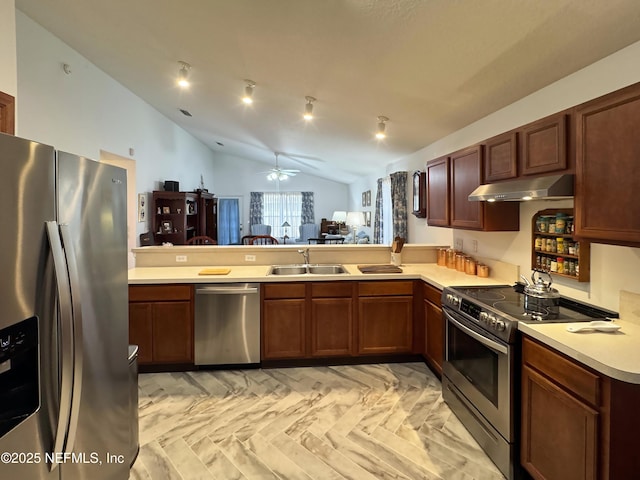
<point x="175" y="217"/>
<point x="574" y="252"/>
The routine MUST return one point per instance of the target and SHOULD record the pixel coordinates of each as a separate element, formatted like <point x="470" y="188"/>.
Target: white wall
<point x="237" y="177"/>
<point x="612" y="268"/>
<point x="87" y="111"/>
<point x="8" y="75"/>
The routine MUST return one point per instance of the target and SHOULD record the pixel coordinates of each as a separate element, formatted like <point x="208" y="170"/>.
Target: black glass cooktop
<point x="510" y="301"/>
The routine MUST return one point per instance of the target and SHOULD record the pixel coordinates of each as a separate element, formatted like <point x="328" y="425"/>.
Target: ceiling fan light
<point x="308" y="108"/>
<point x="248" y="92"/>
<point x="183" y="74"/>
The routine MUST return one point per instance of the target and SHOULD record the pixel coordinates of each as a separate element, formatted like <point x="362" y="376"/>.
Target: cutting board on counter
<point x="379" y="269"/>
<point x="214" y="271"/>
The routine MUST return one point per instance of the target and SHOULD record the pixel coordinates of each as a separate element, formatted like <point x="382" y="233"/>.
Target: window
<point x="280" y="207"/>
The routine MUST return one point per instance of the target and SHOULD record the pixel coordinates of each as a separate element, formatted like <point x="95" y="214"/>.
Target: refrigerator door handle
<point x="78" y="349"/>
<point x="65" y="319"/>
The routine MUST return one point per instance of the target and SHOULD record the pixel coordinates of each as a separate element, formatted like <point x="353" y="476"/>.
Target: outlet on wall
<point x="249" y="258"/>
<point x="181" y="258"/>
<point x="458" y="244"/>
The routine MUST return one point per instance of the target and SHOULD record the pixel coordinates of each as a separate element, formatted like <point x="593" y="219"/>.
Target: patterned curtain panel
<point x="255" y="209"/>
<point x="308" y="209"/>
<point x="399" y="203"/>
<point x="377" y="219"/>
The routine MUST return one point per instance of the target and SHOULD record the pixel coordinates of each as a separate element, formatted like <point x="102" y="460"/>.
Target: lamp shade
<point x="286" y="224"/>
<point x="355" y="219"/>
<point x="339" y="216"/>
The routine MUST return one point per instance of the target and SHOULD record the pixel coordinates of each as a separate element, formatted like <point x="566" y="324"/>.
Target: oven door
<point x="482" y="370"/>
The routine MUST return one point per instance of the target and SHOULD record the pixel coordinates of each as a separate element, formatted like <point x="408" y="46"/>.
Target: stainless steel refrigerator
<point x="64" y="399"/>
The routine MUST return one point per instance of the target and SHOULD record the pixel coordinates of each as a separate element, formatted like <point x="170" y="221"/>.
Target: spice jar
<point x="451" y="258"/>
<point x="542" y="223"/>
<point x="560" y="245"/>
<point x="442" y="257"/>
<point x="538" y="243"/>
<point x="483" y="270"/>
<point x="470" y="266"/>
<point x="560" y="222"/>
<point x="560" y="261"/>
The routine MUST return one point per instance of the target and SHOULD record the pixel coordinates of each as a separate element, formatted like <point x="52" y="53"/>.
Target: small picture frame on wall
<point x="364" y="199"/>
<point x="166" y="210"/>
<point x="368" y="195"/>
<point x="367" y="218"/>
<point x="167" y="226"/>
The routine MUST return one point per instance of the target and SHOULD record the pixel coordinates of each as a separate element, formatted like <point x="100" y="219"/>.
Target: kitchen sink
<point x="307" y="270"/>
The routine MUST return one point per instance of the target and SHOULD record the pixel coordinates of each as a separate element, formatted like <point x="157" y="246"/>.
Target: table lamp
<point x="285" y="225"/>
<point x="339" y="218"/>
<point x="355" y="219"/>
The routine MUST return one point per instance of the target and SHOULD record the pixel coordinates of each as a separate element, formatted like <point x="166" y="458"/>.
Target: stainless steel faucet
<point x="305" y="253"/>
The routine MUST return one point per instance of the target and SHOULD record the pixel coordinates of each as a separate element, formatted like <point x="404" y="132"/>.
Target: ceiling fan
<point x="278" y="173"/>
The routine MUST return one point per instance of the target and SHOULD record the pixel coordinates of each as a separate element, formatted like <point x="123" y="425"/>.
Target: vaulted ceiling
<point x="431" y="66"/>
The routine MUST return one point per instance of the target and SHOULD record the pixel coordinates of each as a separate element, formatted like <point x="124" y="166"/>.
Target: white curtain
<point x="280" y="207"/>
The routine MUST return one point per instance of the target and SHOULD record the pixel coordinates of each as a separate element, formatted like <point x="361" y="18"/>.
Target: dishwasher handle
<point x="225" y="290"/>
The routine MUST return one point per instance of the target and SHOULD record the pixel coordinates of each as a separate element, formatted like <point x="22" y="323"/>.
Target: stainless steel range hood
<point x="550" y="187"/>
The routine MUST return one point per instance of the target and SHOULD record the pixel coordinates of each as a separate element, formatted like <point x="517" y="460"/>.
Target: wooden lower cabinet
<point x="161" y="323"/>
<point x="576" y="424"/>
<point x="434" y="328"/>
<point x="331" y="327"/>
<point x="385" y="317"/>
<point x="283" y="328"/>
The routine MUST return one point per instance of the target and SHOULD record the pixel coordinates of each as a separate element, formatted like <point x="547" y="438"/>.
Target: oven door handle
<point x="483" y="340"/>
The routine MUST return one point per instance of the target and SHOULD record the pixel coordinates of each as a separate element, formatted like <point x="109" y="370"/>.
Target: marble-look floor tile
<point x="360" y="422"/>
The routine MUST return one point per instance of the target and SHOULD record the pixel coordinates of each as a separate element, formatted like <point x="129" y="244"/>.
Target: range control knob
<point x="453" y="299"/>
<point x="484" y="317"/>
<point x="492" y="321"/>
<point x="500" y="326"/>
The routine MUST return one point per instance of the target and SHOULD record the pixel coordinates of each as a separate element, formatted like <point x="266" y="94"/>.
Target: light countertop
<point x="439" y="277"/>
<point x="615" y="354"/>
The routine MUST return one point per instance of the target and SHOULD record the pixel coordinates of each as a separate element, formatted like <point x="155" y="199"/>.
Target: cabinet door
<point x="331" y="327"/>
<point x="544" y="145"/>
<point x="141" y="330"/>
<point x="607" y="180"/>
<point x="283" y="329"/>
<point x="559" y="433"/>
<point x="385" y="325"/>
<point x="434" y="333"/>
<point x="501" y="157"/>
<point x="438" y="192"/>
<point x="466" y="176"/>
<point x="172" y="332"/>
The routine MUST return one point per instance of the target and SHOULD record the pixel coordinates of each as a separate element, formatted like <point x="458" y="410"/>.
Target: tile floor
<point x="383" y="421"/>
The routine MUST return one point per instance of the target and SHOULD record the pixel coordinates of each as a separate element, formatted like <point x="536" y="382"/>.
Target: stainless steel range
<point x="481" y="367"/>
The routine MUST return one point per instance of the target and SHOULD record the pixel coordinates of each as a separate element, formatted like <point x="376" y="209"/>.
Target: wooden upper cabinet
<point x="438" y="192"/>
<point x="607" y="160"/>
<point x="501" y="157"/>
<point x="7" y="113"/>
<point x="466" y="176"/>
<point x="543" y="145"/>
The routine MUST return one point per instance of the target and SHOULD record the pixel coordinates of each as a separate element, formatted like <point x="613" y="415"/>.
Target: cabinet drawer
<point x="578" y="380"/>
<point x="385" y="288"/>
<point x="284" y="290"/>
<point x="331" y="289"/>
<point x="163" y="293"/>
<point x="433" y="294"/>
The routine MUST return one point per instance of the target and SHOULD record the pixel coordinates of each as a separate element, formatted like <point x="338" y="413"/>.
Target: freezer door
<point x="92" y="215"/>
<point x="28" y="197"/>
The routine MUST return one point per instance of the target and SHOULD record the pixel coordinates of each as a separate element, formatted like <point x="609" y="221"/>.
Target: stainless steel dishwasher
<point x="227" y="324"/>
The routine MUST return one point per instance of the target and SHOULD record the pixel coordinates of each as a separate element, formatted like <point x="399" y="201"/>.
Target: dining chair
<point x="264" y="240"/>
<point x="246" y="240"/>
<point x="201" y="240"/>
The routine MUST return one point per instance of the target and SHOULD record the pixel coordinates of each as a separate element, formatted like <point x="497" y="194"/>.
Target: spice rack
<point x="543" y="255"/>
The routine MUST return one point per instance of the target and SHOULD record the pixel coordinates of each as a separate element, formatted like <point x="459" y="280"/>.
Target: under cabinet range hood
<point x="550" y="187"/>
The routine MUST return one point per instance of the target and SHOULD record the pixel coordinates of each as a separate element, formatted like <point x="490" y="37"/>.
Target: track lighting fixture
<point x="183" y="74"/>
<point x="308" y="108"/>
<point x="380" y="133"/>
<point x="248" y="92"/>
